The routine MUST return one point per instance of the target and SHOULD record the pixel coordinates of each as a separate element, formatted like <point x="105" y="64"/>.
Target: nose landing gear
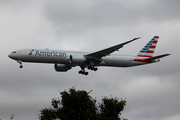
<point x="21" y="66"/>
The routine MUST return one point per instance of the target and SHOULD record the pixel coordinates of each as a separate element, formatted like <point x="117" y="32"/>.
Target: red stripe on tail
<point x="149" y="51"/>
<point x="155" y="41"/>
<point x="153" y="47"/>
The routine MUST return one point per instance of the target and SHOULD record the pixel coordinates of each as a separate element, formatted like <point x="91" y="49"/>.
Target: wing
<point x="99" y="54"/>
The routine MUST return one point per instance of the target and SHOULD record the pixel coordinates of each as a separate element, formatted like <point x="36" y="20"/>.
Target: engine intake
<point x="61" y="67"/>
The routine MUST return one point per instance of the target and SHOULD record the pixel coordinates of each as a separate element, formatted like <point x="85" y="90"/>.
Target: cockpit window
<point x="14" y="52"/>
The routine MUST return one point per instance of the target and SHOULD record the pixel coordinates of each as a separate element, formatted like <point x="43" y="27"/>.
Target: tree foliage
<point x="110" y="108"/>
<point x="79" y="105"/>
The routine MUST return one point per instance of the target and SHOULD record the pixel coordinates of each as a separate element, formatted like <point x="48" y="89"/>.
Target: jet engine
<point x="61" y="67"/>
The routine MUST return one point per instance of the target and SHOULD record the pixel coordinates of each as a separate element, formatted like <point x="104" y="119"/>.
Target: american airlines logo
<point x="48" y="53"/>
<point x="31" y="52"/>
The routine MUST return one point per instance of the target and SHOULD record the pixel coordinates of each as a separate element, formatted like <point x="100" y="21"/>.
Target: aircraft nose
<point x="10" y="55"/>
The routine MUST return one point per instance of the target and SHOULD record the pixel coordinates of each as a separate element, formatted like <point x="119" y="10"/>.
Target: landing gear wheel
<point x="95" y="69"/>
<point x="89" y="67"/>
<point x="80" y="72"/>
<point x="92" y="68"/>
<point x="83" y="72"/>
<point x="86" y="73"/>
<point x="21" y="66"/>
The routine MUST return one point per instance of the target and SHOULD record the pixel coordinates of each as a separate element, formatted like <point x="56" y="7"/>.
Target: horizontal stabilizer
<point x="156" y="57"/>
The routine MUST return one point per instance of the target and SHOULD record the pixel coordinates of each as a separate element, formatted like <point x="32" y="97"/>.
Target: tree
<point x="110" y="108"/>
<point x="79" y="105"/>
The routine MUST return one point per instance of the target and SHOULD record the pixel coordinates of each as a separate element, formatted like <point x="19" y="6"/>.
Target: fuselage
<point x="63" y="57"/>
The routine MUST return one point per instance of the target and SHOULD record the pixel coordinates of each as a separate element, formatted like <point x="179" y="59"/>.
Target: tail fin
<point x="146" y="54"/>
<point x="149" y="49"/>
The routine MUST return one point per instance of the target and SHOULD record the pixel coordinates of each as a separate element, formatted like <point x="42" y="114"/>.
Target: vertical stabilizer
<point x="147" y="51"/>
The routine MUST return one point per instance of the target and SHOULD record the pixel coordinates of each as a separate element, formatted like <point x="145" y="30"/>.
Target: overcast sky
<point x="151" y="91"/>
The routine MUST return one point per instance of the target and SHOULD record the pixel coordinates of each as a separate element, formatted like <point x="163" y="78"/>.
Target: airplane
<point x="65" y="60"/>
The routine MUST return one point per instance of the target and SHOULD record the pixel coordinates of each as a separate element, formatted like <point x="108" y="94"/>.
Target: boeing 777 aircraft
<point x="65" y="60"/>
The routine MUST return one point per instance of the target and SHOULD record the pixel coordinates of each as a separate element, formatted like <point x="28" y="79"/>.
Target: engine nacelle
<point x="61" y="67"/>
<point x="77" y="59"/>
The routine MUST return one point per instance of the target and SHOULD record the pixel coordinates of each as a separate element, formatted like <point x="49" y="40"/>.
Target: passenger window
<point x="14" y="52"/>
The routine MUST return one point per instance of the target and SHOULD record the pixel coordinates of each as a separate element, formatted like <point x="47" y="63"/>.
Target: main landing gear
<point x="83" y="72"/>
<point x="92" y="68"/>
<point x="21" y="66"/>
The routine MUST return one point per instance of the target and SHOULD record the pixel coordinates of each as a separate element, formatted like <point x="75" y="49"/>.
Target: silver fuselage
<point x="62" y="57"/>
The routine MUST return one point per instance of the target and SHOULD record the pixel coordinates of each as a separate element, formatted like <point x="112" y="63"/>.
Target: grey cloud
<point x="151" y="91"/>
<point x="108" y="12"/>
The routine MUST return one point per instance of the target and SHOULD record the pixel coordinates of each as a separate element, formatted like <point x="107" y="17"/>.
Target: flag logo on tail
<point x="147" y="51"/>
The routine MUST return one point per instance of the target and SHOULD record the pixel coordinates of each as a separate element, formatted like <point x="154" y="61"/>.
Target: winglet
<point x="136" y="38"/>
